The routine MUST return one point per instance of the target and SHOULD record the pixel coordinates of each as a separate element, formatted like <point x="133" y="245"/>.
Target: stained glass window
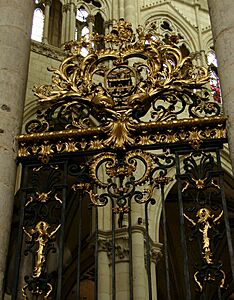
<point x="214" y="78"/>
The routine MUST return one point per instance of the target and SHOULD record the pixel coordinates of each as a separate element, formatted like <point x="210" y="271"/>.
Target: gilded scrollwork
<point x="132" y="91"/>
<point x="89" y="93"/>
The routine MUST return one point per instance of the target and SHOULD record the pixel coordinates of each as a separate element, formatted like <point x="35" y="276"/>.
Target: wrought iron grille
<point x="113" y="132"/>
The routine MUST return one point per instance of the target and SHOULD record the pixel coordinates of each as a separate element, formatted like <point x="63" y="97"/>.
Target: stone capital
<point x="108" y="23"/>
<point x="90" y="19"/>
<point x="66" y="7"/>
<point x="48" y="2"/>
<point x="156" y="252"/>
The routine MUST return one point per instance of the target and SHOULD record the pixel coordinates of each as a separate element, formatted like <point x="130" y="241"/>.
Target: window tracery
<point x="168" y="31"/>
<point x="82" y="28"/>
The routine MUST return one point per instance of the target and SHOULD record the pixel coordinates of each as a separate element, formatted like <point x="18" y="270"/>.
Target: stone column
<point x="104" y="288"/>
<point x="121" y="9"/>
<point x="199" y="33"/>
<point x="222" y="21"/>
<point x="115" y="10"/>
<point x="46" y="21"/>
<point x="68" y="8"/>
<point x="90" y="21"/>
<point x="130" y="12"/>
<point x="139" y="270"/>
<point x="15" y="30"/>
<point x="64" y="24"/>
<point x="108" y="26"/>
<point x="72" y="21"/>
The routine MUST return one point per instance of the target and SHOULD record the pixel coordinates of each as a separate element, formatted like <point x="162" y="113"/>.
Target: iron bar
<point x="165" y="241"/>
<point x="148" y="258"/>
<point x="61" y="236"/>
<point x="225" y="213"/>
<point x="182" y="231"/>
<point x="130" y="251"/>
<point x="96" y="255"/>
<point x="80" y="199"/>
<point x="113" y="288"/>
<point x="219" y="294"/>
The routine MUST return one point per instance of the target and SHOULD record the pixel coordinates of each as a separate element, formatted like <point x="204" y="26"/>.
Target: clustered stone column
<point x="47" y="21"/>
<point x="72" y="21"/>
<point x="15" y="30"/>
<point x="222" y="21"/>
<point x="66" y="23"/>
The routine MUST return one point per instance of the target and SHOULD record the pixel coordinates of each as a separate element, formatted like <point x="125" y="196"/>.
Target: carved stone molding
<point x="47" y="50"/>
<point x="121" y="245"/>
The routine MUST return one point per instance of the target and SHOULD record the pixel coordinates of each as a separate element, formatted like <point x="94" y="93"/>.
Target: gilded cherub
<point x="204" y="221"/>
<point x="40" y="235"/>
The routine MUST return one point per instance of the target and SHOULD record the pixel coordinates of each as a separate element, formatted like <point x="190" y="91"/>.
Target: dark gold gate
<point x="109" y="132"/>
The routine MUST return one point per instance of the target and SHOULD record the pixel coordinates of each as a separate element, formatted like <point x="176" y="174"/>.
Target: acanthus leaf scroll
<point x="131" y="78"/>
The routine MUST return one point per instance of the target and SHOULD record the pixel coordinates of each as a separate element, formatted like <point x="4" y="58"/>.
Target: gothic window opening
<point x="166" y="26"/>
<point x="82" y="29"/>
<point x="38" y="24"/>
<point x="99" y="24"/>
<point x="95" y="3"/>
<point x="214" y="78"/>
<point x="184" y="50"/>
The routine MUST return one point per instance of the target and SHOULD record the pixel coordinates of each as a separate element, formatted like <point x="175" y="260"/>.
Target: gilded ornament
<point x="41" y="235"/>
<point x="205" y="221"/>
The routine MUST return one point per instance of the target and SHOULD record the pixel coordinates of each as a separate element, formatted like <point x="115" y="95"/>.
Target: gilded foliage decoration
<point x="125" y="79"/>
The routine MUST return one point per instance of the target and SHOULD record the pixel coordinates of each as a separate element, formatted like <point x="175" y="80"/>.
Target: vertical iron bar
<point x="182" y="231"/>
<point x="148" y="258"/>
<point x="130" y="250"/>
<point x="165" y="241"/>
<point x="96" y="255"/>
<point x="61" y="236"/>
<point x="225" y="213"/>
<point x="80" y="199"/>
<point x="219" y="294"/>
<point x="113" y="255"/>
<point x="24" y="179"/>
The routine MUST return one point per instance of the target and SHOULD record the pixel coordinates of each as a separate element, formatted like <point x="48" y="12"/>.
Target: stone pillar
<point x="222" y="21"/>
<point x="121" y="9"/>
<point x="15" y="30"/>
<point x="90" y="21"/>
<point x="130" y="12"/>
<point x="199" y="33"/>
<point x="46" y="21"/>
<point x="115" y="10"/>
<point x="104" y="288"/>
<point x="68" y="8"/>
<point x="64" y="23"/>
<point x="108" y="26"/>
<point x="72" y="21"/>
<point x="139" y="270"/>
